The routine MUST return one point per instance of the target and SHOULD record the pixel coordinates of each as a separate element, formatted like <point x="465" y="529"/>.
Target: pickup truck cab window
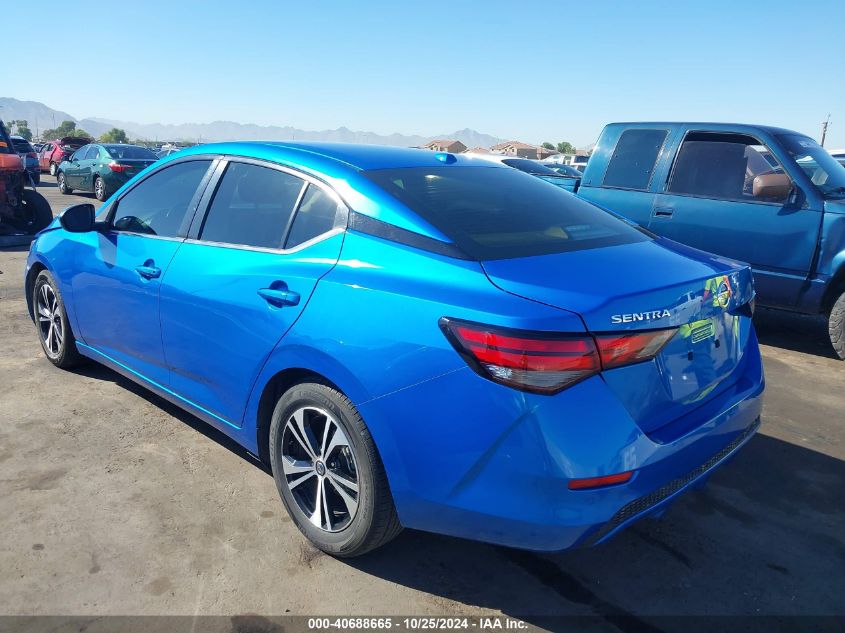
<point x="728" y="167"/>
<point x="633" y="159"/>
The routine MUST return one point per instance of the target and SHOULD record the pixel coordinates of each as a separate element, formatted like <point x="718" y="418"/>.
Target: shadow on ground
<point x="764" y="538"/>
<point x="795" y="332"/>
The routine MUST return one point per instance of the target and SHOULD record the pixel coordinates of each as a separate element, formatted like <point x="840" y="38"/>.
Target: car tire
<point x="61" y="184"/>
<point x="836" y="326"/>
<point x="37" y="211"/>
<point x="100" y="189"/>
<point x="53" y="169"/>
<point x="52" y="324"/>
<point x="340" y="466"/>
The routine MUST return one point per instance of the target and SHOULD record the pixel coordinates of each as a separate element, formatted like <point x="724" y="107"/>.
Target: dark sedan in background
<point x="102" y="169"/>
<point x="30" y="158"/>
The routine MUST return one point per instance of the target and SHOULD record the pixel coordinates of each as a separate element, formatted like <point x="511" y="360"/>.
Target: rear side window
<point x="315" y="216"/>
<point x="252" y="206"/>
<point x="159" y="204"/>
<point x="499" y="213"/>
<point x="633" y="159"/>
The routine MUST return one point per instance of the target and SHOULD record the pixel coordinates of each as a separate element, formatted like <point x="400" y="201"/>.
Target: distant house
<point x="445" y="145"/>
<point x="544" y="153"/>
<point x="522" y="150"/>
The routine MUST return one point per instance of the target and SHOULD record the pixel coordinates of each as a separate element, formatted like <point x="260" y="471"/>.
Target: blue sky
<point x="533" y="71"/>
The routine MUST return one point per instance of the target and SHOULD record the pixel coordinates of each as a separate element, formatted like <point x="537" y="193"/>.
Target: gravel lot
<point x="114" y="502"/>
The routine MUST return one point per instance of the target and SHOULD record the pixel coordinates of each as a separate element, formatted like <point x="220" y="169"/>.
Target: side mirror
<point x="772" y="187"/>
<point x="78" y="219"/>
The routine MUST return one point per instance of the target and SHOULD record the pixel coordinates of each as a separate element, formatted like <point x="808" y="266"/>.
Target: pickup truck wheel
<point x="836" y="326"/>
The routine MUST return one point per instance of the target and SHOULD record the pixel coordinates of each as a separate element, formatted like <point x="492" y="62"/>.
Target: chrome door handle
<point x="279" y="297"/>
<point x="148" y="272"/>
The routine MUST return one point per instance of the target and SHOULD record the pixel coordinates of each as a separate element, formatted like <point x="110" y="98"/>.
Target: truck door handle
<point x="279" y="297"/>
<point x="148" y="270"/>
<point x="664" y="212"/>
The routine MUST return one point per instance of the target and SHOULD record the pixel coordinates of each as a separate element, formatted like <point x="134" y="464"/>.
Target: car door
<point x="728" y="194"/>
<point x="119" y="267"/>
<point x="87" y="167"/>
<point x="242" y="279"/>
<point x="72" y="165"/>
<point x="44" y="157"/>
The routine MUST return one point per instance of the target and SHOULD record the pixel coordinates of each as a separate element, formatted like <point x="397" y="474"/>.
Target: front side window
<point x="160" y="203"/>
<point x="494" y="213"/>
<point x="252" y="206"/>
<point x="728" y="167"/>
<point x="633" y="159"/>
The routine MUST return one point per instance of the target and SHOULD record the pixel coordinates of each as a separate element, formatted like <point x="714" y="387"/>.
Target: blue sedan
<point x="411" y="338"/>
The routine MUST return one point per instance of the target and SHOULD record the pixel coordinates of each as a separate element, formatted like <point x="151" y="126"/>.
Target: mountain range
<point x="41" y="117"/>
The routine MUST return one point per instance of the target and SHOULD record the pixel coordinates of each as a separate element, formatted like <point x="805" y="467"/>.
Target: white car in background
<point x="838" y="154"/>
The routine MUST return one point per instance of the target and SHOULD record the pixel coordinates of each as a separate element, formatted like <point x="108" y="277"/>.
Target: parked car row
<point x="102" y="168"/>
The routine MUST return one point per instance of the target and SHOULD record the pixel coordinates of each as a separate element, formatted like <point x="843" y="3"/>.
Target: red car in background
<point x="54" y="152"/>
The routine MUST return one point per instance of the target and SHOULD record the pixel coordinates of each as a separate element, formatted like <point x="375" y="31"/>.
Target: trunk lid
<point x="645" y="286"/>
<point x="134" y="165"/>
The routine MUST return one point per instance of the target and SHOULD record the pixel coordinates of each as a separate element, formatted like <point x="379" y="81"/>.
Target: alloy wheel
<point x="99" y="189"/>
<point x="320" y="469"/>
<point x="50" y="325"/>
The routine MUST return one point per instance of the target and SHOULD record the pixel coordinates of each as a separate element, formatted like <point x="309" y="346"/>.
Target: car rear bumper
<point x="493" y="464"/>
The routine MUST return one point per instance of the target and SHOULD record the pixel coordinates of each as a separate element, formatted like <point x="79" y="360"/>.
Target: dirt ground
<point x="114" y="502"/>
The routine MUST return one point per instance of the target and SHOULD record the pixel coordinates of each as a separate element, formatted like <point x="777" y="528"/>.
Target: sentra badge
<point x="633" y="317"/>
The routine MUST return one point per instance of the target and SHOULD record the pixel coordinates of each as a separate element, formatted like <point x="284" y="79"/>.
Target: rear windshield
<point x="529" y="167"/>
<point x="129" y="152"/>
<point x="22" y="145"/>
<point x="495" y="213"/>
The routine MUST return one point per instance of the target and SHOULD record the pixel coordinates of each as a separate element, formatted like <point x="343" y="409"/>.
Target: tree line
<point x="564" y="147"/>
<point x="67" y="128"/>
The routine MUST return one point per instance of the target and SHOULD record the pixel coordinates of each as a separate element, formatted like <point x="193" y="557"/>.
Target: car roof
<point x="747" y="128"/>
<point x="342" y="165"/>
<point x="352" y="155"/>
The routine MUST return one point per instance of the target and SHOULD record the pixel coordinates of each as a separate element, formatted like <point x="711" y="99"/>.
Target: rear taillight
<point x="624" y="349"/>
<point x="546" y="362"/>
<point x="118" y="167"/>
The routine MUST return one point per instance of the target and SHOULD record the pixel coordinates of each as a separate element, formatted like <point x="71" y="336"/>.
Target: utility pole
<point x="825" y="125"/>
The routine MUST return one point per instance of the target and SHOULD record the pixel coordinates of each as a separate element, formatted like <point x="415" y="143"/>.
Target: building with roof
<point x="445" y="145"/>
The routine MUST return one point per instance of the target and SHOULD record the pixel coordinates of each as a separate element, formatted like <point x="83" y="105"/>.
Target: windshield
<point x="493" y="213"/>
<point x="822" y="169"/>
<point x="121" y="152"/>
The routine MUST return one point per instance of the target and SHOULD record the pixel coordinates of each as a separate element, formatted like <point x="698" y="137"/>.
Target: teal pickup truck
<point x="763" y="195"/>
